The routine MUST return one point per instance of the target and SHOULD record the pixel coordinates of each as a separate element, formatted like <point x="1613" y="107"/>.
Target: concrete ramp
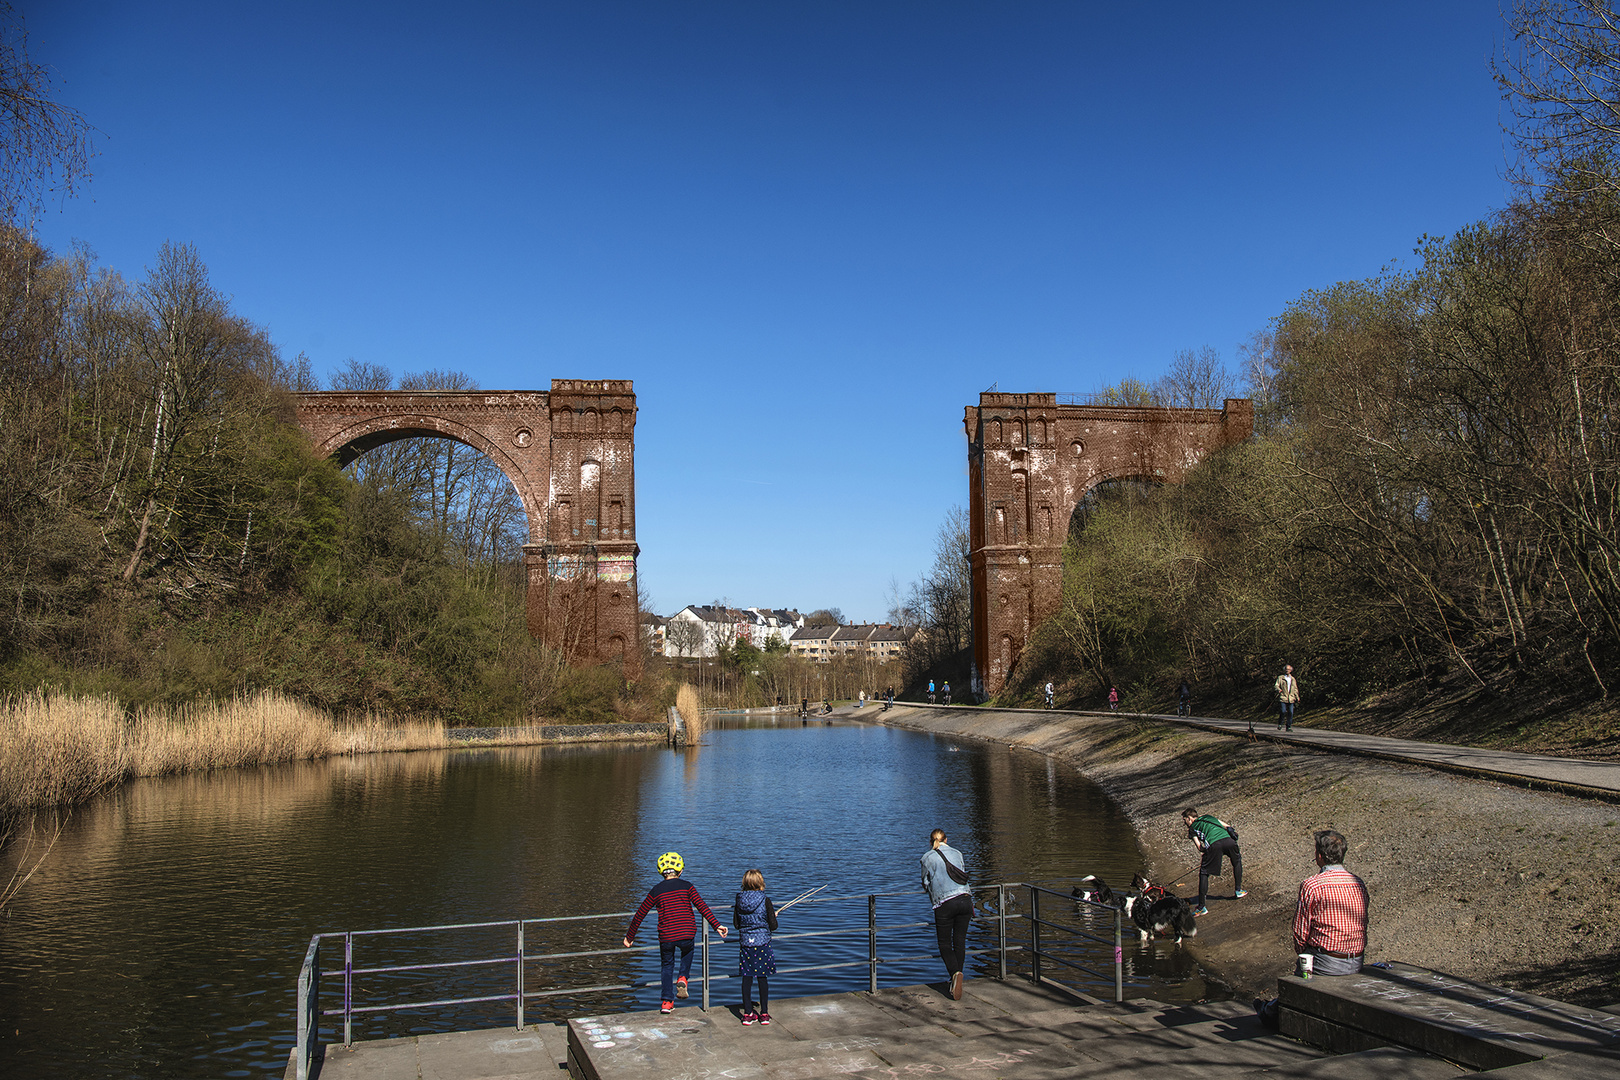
<point x="1012" y="1029"/>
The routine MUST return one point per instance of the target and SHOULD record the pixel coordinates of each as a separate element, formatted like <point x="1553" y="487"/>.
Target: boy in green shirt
<point x="1214" y="838"/>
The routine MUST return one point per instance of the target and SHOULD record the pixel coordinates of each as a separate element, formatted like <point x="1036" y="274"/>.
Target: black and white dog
<point x="1153" y="910"/>
<point x="1157" y="911"/>
<point x="1095" y="890"/>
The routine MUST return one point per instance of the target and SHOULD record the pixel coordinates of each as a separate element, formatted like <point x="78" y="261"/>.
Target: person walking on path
<point x="1214" y="838"/>
<point x="754" y="916"/>
<point x="1049" y="693"/>
<point x="1113" y="699"/>
<point x="1184" y="699"/>
<point x="944" y="876"/>
<point x="1287" y="697"/>
<point x="677" y="929"/>
<point x="1330" y="921"/>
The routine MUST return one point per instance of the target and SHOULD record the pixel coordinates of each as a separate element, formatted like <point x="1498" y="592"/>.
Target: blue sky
<point x="811" y="233"/>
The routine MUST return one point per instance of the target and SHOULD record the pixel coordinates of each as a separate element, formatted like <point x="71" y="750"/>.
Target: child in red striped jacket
<point x="677" y="928"/>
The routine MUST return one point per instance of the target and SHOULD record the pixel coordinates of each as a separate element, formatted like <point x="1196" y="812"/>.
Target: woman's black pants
<point x="951" y="924"/>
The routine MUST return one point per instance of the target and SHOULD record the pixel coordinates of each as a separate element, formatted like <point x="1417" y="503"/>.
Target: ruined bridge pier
<point x="570" y="455"/>
<point x="1031" y="459"/>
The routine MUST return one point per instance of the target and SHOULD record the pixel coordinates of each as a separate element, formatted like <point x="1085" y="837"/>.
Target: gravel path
<point x="1511" y="887"/>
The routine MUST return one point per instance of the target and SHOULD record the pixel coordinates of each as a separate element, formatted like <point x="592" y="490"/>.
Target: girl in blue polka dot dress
<point x="754" y="916"/>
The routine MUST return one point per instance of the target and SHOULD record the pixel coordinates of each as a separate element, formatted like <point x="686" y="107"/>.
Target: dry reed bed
<point x="691" y="710"/>
<point x="57" y="750"/>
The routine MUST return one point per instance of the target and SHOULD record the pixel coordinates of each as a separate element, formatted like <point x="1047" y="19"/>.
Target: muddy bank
<point x="1512" y="887"/>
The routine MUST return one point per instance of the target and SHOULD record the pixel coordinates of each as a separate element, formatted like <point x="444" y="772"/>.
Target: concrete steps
<point x="1431" y="1026"/>
<point x="1475" y="1024"/>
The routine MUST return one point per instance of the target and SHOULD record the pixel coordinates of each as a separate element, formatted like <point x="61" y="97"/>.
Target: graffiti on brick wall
<point x="565" y="567"/>
<point x="616" y="567"/>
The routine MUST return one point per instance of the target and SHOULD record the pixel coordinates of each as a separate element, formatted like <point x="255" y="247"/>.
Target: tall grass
<point x="373" y="735"/>
<point x="57" y="751"/>
<point x="686" y="702"/>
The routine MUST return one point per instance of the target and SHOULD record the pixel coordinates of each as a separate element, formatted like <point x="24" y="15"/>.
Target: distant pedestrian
<point x="861" y="703"/>
<point x="677" y="929"/>
<point x="1113" y="699"/>
<point x="804" y="708"/>
<point x="754" y="916"/>
<point x="1287" y="688"/>
<point x="1184" y="699"/>
<point x="888" y="698"/>
<point x="1213" y="838"/>
<point x="1050" y="691"/>
<point x="944" y="876"/>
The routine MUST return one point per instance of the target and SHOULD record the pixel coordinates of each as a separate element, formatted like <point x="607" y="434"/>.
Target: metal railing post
<point x="705" y="965"/>
<point x="1119" y="956"/>
<point x="348" y="989"/>
<point x="1035" y="933"/>
<point x="520" y="976"/>
<point x="309" y="1008"/>
<point x="1001" y="927"/>
<point x="871" y="943"/>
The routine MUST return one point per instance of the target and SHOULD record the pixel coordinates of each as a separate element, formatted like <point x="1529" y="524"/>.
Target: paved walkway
<point x="1600" y="779"/>
<point x="1397" y="1023"/>
<point x="1010" y="1029"/>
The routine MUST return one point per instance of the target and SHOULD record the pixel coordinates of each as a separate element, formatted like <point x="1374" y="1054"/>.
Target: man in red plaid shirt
<point x="1330" y="924"/>
<point x="1331" y="921"/>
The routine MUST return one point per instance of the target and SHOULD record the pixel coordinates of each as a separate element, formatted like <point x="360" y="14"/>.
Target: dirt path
<point x="1512" y="887"/>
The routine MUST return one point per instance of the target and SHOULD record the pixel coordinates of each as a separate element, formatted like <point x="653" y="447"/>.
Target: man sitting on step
<point x="1330" y="924"/>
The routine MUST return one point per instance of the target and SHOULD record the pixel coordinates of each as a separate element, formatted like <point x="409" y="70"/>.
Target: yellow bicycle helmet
<point x="670" y="860"/>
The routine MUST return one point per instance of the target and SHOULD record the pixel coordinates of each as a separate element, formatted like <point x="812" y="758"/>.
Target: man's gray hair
<point x="1330" y="845"/>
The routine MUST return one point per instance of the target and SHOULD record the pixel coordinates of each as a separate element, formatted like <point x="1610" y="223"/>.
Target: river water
<point x="163" y="935"/>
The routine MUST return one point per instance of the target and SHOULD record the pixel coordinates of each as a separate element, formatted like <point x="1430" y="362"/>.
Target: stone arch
<point x="1098" y="488"/>
<point x="1023" y="491"/>
<point x="564" y="470"/>
<point x="347" y="444"/>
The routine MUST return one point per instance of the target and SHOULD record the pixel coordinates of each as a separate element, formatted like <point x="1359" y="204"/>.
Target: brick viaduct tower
<point x="570" y="454"/>
<point x="1030" y="461"/>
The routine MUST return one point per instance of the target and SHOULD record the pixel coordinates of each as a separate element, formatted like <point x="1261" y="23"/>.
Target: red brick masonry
<point x="569" y="453"/>
<point x="1030" y="461"/>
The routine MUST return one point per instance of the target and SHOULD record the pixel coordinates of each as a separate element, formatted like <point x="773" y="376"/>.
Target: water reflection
<point x="163" y="936"/>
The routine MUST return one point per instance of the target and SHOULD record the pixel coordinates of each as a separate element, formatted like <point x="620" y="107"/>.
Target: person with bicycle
<point x="1184" y="699"/>
<point x="1050" y="691"/>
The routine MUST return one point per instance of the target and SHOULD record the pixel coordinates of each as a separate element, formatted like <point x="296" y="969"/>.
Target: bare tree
<point x="44" y="146"/>
<point x="1195" y="380"/>
<point x="688" y="636"/>
<point x="1561" y="77"/>
<point x="192" y="352"/>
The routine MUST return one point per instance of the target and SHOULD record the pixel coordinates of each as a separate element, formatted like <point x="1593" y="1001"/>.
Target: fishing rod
<point x="802" y="896"/>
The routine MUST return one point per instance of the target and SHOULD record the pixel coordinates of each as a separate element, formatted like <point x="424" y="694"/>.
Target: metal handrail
<point x="309" y="1012"/>
<point x="1037" y="954"/>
